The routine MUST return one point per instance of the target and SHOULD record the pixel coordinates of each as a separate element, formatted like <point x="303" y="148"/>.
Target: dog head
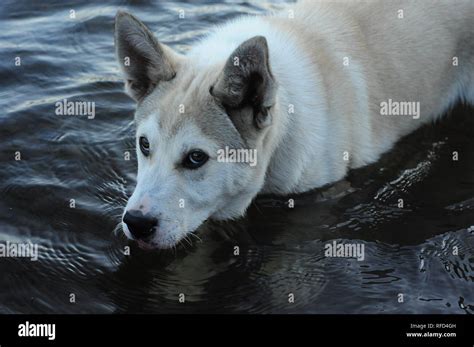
<point x="199" y="132"/>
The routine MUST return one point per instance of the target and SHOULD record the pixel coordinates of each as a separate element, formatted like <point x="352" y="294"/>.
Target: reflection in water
<point x="68" y="191"/>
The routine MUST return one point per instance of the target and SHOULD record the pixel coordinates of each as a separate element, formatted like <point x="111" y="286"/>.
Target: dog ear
<point x="143" y="60"/>
<point x="247" y="81"/>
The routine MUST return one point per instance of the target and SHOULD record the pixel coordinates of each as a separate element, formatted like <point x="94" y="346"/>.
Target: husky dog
<point x="315" y="90"/>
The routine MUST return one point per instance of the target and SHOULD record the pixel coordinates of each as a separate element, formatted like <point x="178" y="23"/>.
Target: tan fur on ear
<point x="143" y="60"/>
<point x="246" y="79"/>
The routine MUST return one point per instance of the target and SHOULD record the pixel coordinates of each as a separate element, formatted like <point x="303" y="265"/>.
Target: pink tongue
<point x="144" y="245"/>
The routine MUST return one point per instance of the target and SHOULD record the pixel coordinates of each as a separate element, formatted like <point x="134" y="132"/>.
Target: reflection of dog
<point x="315" y="90"/>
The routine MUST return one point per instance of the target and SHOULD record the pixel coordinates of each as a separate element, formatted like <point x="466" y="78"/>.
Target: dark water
<point x="408" y="250"/>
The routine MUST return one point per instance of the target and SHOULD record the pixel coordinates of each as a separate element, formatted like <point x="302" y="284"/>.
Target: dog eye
<point x="195" y="159"/>
<point x="144" y="146"/>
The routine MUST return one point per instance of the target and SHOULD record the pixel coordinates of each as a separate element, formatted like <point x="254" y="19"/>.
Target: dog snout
<point x="141" y="226"/>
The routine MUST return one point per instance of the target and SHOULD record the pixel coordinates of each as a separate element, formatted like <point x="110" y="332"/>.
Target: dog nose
<point x="141" y="226"/>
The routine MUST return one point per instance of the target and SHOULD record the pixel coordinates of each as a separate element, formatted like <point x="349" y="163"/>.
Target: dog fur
<point x="303" y="87"/>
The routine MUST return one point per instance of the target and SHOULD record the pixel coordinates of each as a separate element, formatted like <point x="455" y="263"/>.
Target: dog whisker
<point x="196" y="236"/>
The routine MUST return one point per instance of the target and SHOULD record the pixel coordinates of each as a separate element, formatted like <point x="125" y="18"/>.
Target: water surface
<point x="408" y="250"/>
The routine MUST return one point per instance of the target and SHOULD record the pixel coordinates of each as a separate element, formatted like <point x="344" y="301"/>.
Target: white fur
<point x="336" y="107"/>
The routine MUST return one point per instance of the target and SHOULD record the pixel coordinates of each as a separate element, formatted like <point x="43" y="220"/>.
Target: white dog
<point x="283" y="103"/>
